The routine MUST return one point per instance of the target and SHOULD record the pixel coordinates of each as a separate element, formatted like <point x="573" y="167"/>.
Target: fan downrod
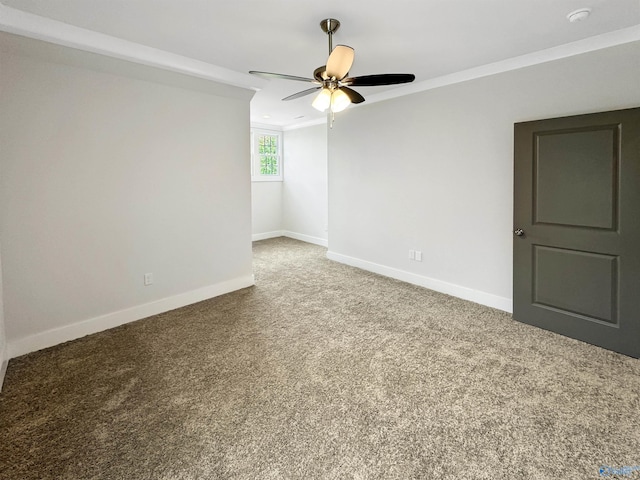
<point x="329" y="26"/>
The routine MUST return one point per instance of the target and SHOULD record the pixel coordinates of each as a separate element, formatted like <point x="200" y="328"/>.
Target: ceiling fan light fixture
<point x="322" y="100"/>
<point x="331" y="79"/>
<point x="339" y="101"/>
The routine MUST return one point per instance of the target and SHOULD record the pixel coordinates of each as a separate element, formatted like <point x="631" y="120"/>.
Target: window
<point x="266" y="155"/>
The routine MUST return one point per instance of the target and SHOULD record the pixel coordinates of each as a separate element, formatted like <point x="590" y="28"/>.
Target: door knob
<point x="519" y="232"/>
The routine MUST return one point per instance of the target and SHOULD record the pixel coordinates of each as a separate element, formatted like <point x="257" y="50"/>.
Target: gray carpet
<point x="321" y="371"/>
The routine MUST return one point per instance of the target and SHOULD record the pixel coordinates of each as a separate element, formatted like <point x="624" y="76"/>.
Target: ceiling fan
<point x="331" y="79"/>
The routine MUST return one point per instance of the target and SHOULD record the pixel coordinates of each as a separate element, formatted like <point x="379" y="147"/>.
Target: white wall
<point x="297" y="206"/>
<point x="4" y="357"/>
<point x="266" y="209"/>
<point x="304" y="199"/>
<point x="433" y="171"/>
<point x="106" y="177"/>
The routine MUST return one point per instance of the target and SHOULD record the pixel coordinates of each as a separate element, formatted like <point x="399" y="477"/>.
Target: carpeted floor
<point x="321" y="371"/>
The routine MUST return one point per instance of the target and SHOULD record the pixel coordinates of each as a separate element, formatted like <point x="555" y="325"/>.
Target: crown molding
<point x="41" y="28"/>
<point x="590" y="44"/>
<point x="309" y="123"/>
<point x="323" y="120"/>
<point x="598" y="42"/>
<point x="266" y="126"/>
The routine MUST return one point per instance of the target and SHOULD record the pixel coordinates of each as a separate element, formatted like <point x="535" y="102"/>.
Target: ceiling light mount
<point x="329" y="26"/>
<point x="579" y="15"/>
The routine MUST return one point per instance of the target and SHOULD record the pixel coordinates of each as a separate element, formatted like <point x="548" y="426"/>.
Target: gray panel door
<point x="576" y="247"/>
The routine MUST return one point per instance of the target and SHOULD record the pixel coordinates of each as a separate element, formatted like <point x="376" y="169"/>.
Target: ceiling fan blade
<point x="320" y="73"/>
<point x="354" y="96"/>
<point x="282" y="76"/>
<point x="340" y="62"/>
<point x="302" y="93"/>
<point x="381" y="79"/>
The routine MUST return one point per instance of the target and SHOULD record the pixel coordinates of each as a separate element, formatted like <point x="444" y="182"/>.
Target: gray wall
<point x="304" y="196"/>
<point x="108" y="176"/>
<point x="296" y="207"/>
<point x="266" y="209"/>
<point x="433" y="171"/>
<point x="4" y="357"/>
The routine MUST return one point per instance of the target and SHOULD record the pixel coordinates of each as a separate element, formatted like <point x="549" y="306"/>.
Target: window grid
<point x="268" y="155"/>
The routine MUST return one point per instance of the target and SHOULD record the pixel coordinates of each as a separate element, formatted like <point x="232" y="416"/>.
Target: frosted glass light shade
<point x="339" y="101"/>
<point x="323" y="100"/>
<point x="340" y="61"/>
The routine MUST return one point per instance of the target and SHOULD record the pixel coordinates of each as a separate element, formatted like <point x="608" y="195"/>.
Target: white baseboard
<point x="306" y="238"/>
<point x="3" y="366"/>
<point x="483" y="298"/>
<point x="58" y="335"/>
<point x="263" y="236"/>
<point x="286" y="233"/>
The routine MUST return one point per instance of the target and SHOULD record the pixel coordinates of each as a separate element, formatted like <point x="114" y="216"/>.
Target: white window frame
<point x="256" y="176"/>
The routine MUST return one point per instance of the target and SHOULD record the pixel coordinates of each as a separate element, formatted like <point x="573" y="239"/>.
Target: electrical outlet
<point x="412" y="254"/>
<point x="148" y="279"/>
<point x="418" y="256"/>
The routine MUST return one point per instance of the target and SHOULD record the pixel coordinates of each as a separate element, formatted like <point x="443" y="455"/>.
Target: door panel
<point x="560" y="159"/>
<point x="576" y="282"/>
<point x="577" y="201"/>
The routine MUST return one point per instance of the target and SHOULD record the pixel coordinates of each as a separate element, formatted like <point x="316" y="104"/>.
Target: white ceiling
<point x="429" y="38"/>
